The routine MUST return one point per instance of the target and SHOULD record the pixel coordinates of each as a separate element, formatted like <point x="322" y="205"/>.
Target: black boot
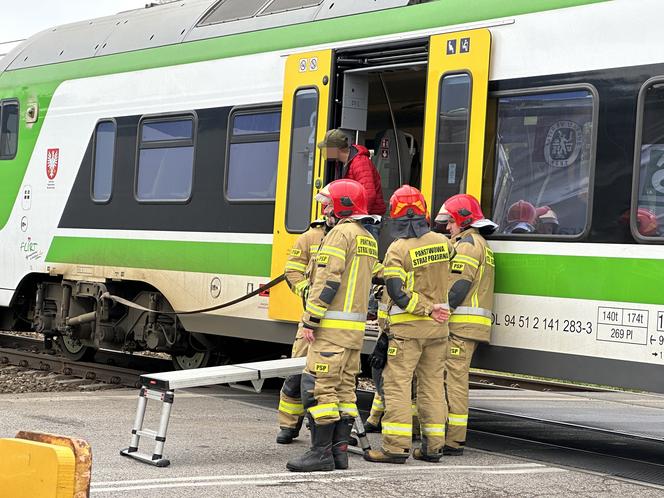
<point x="319" y="457"/>
<point x="340" y="441"/>
<point x="287" y="434"/>
<point x="452" y="451"/>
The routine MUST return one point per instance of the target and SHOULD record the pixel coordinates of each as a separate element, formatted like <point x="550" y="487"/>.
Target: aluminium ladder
<point x="162" y="386"/>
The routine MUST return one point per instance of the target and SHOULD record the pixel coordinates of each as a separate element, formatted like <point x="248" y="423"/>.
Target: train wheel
<point x="74" y="350"/>
<point x="193" y="360"/>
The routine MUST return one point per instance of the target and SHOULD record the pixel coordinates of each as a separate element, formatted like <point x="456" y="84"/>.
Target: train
<point x="167" y="156"/>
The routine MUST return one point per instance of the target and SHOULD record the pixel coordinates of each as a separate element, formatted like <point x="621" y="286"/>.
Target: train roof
<point x="192" y="20"/>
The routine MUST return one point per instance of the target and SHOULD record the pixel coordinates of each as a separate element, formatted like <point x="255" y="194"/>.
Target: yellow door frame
<point x="302" y="71"/>
<point x="456" y="53"/>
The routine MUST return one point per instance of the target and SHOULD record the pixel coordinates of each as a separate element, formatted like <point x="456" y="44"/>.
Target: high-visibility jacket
<point x="474" y="262"/>
<point x="336" y="307"/>
<point x="300" y="257"/>
<point x="417" y="272"/>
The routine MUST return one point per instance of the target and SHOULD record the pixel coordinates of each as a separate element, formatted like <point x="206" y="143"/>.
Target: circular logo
<point x="563" y="144"/>
<point x="215" y="287"/>
<point x="24" y="224"/>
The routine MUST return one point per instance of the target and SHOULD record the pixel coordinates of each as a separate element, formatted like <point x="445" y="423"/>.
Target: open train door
<point x="304" y="121"/>
<point x="455" y="115"/>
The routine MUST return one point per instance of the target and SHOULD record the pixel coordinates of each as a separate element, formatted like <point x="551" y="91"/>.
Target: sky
<point x="22" y="18"/>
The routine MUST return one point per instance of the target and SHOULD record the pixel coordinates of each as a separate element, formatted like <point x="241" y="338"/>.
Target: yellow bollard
<point x="38" y="465"/>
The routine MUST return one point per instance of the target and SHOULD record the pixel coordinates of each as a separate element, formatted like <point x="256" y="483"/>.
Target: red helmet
<point x="347" y="198"/>
<point x="407" y="201"/>
<point x="646" y="221"/>
<point x="522" y="211"/>
<point x="464" y="209"/>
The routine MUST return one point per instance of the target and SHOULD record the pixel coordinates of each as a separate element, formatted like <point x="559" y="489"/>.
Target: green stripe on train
<point x="41" y="81"/>
<point x="630" y="280"/>
<point x="577" y="277"/>
<point x="205" y="257"/>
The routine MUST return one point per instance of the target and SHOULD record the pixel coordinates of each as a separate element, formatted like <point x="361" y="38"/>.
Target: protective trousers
<point x="423" y="357"/>
<point x="378" y="406"/>
<point x="457" y="364"/>
<point x="291" y="411"/>
<point x="328" y="382"/>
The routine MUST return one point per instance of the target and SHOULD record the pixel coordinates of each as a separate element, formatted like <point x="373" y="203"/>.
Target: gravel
<point x="16" y="380"/>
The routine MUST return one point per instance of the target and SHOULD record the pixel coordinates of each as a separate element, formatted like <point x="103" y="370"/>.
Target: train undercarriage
<point x="78" y="319"/>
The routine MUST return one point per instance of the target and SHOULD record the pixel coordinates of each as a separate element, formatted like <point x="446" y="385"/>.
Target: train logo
<point x="52" y="161"/>
<point x="563" y="144"/>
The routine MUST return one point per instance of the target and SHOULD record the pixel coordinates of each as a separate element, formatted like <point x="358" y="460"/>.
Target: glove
<point x="378" y="358"/>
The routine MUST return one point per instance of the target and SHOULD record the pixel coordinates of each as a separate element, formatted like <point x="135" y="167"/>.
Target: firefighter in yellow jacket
<point x="333" y="323"/>
<point x="297" y="271"/>
<point x="471" y="302"/>
<point x="416" y="275"/>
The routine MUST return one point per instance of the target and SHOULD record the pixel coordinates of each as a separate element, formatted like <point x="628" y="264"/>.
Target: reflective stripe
<point x="407" y="317"/>
<point x="469" y="310"/>
<point x="478" y="320"/>
<point x="462" y="258"/>
<point x="382" y="314"/>
<point x="315" y="310"/>
<point x="433" y="429"/>
<point x="292" y="408"/>
<point x="342" y="315"/>
<point x="413" y="410"/>
<point x="413" y="302"/>
<point x="294" y="265"/>
<point x="410" y="280"/>
<point x="333" y="251"/>
<point x="349" y="408"/>
<point x="378" y="267"/>
<point x="377" y="405"/>
<point x="325" y="410"/>
<point x="342" y="324"/>
<point x="300" y="287"/>
<point x="398" y="429"/>
<point x="457" y="419"/>
<point x="395" y="271"/>
<point x="352" y="285"/>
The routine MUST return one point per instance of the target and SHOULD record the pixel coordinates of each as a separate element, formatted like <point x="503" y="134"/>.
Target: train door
<point x="455" y="115"/>
<point x="304" y="121"/>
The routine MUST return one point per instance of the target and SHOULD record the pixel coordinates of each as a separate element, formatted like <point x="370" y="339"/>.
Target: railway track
<point x="110" y="367"/>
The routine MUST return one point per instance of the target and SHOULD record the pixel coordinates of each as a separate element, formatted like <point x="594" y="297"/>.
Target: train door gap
<point x="379" y="102"/>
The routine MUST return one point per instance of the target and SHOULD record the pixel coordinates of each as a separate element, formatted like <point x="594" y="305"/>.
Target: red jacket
<point x="362" y="170"/>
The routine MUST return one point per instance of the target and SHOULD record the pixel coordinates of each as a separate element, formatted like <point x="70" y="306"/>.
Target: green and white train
<point x="167" y="156"/>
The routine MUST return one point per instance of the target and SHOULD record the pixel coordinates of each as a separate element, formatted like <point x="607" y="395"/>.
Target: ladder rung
<point x="147" y="433"/>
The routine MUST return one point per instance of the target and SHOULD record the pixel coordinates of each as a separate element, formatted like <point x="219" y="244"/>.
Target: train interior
<point x="388" y="119"/>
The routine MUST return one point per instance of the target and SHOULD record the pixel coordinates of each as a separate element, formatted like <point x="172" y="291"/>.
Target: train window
<point x="452" y="137"/>
<point x="285" y="5"/>
<point x="102" y="165"/>
<point x="8" y="129"/>
<point x="648" y="192"/>
<point x="253" y="154"/>
<point x="302" y="153"/>
<point x="230" y="10"/>
<point x="543" y="162"/>
<point x="165" y="159"/>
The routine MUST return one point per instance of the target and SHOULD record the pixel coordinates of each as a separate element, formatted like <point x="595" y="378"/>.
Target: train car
<point x="167" y="156"/>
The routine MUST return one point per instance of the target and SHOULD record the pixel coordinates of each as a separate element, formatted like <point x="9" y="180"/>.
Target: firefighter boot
<point x="340" y="442"/>
<point x="423" y="453"/>
<point x="319" y="456"/>
<point x="287" y="434"/>
<point x="379" y="456"/>
<point x="452" y="451"/>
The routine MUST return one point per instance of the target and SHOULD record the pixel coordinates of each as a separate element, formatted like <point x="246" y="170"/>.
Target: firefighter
<point x="378" y="406"/>
<point x="297" y="271"/>
<point x="416" y="276"/>
<point x="471" y="302"/>
<point x="333" y="324"/>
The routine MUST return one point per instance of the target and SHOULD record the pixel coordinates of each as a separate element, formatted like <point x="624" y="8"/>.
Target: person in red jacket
<point x="357" y="166"/>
